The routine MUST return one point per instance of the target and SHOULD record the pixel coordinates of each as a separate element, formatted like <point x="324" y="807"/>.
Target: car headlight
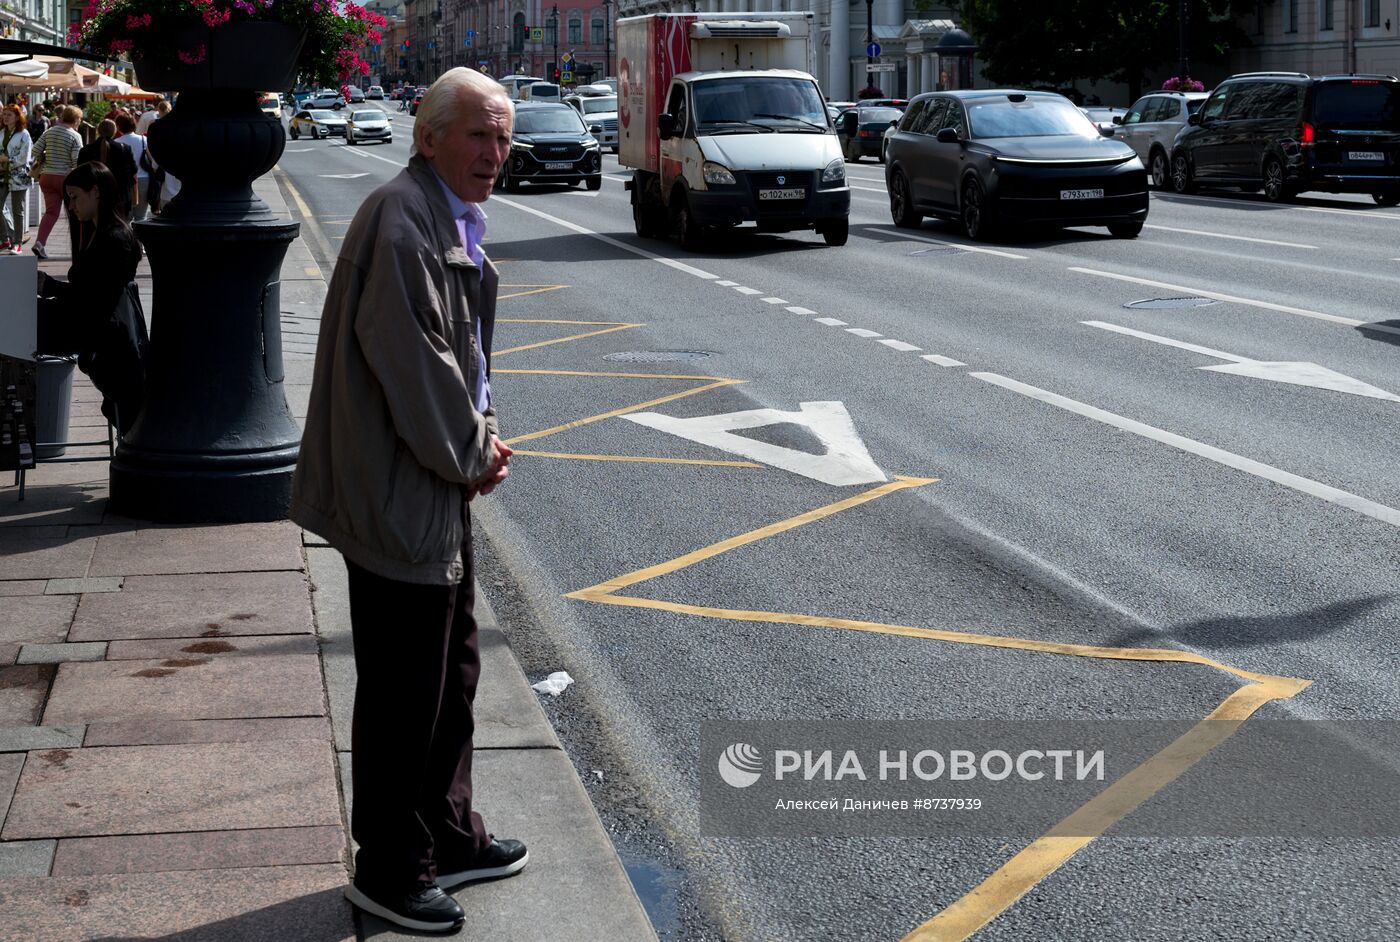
<point x="521" y="145"/>
<point x="590" y="144"/>
<point x="835" y="171"/>
<point x="718" y="174"/>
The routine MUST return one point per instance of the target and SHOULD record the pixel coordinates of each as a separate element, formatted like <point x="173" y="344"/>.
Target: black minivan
<point x="1286" y="132"/>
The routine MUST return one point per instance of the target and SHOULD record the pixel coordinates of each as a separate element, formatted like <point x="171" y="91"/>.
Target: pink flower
<point x="193" y="57"/>
<point x="136" y="22"/>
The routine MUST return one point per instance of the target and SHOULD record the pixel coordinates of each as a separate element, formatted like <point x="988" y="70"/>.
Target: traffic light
<point x="556" y="76"/>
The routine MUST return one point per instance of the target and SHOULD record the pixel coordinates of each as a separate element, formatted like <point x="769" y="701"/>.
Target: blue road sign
<point x="872" y="50"/>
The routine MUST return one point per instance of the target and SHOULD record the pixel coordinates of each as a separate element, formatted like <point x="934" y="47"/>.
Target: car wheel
<point x="1159" y="168"/>
<point x="836" y="232"/>
<point x="902" y="204"/>
<point x="1387" y="199"/>
<point x="388" y="140"/>
<point x="295" y="133"/>
<point x="1182" y="180"/>
<point x="1275" y="189"/>
<point x="511" y="184"/>
<point x="689" y="233"/>
<point x="1124" y="230"/>
<point x="884" y="151"/>
<point x="595" y="183"/>
<point x="977" y="217"/>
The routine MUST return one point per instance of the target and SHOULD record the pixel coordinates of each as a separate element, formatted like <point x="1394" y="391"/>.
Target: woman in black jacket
<point x="106" y="149"/>
<point x="76" y="316"/>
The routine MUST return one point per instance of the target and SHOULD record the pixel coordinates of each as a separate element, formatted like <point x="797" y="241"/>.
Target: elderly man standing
<point x="400" y="436"/>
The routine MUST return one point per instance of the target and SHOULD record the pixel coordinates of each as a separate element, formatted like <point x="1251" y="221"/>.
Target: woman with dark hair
<point x="14" y="172"/>
<point x="81" y="315"/>
<point x="106" y="149"/>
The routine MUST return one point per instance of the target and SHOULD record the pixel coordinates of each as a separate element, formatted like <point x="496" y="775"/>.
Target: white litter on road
<point x="555" y="684"/>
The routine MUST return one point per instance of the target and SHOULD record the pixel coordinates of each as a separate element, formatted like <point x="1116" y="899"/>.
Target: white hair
<point x="441" y="103"/>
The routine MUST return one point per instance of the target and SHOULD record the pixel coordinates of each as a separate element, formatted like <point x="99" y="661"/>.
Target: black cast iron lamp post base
<point x="215" y="441"/>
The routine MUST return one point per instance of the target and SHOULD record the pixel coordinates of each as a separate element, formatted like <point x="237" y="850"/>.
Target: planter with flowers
<point x="215" y="440"/>
<point x="1178" y="83"/>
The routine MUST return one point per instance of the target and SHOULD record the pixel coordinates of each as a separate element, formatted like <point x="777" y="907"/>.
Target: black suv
<point x="1286" y="132"/>
<point x="551" y="144"/>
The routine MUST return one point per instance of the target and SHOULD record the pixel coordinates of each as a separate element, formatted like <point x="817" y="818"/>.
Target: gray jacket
<point x="392" y="437"/>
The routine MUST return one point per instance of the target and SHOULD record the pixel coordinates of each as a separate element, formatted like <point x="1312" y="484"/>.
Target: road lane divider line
<point x="1296" y="482"/>
<point x="1166" y="341"/>
<point x="830" y="321"/>
<point x="1221" y="235"/>
<point x="900" y="345"/>
<point x="773" y="300"/>
<point x="318" y="235"/>
<point x="1233" y="299"/>
<point x="804" y="311"/>
<point x="865" y="332"/>
<point x="540" y="289"/>
<point x="942" y="360"/>
<point x="747" y="291"/>
<point x="999" y="891"/>
<point x="716" y="463"/>
<point x="608" y="240"/>
<point x="962" y="246"/>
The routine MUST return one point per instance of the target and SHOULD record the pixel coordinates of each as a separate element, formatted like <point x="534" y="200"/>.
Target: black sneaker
<point x="427" y="910"/>
<point x="499" y="859"/>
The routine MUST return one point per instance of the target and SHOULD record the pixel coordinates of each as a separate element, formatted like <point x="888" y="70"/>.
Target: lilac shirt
<point x="471" y="228"/>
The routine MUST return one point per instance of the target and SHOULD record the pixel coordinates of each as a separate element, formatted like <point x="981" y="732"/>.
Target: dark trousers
<point x="417" y="663"/>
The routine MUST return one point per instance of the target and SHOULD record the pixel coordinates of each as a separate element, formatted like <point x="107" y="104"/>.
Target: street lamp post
<point x="1184" y="41"/>
<point x="554" y="12"/>
<point x="607" y="38"/>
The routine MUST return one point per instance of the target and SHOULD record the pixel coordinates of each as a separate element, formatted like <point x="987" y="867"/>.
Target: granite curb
<point x="175" y="723"/>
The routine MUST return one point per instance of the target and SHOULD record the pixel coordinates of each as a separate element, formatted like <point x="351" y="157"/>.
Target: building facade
<point x="1322" y="36"/>
<point x="40" y="21"/>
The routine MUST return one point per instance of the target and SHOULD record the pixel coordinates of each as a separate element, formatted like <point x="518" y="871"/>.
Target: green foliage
<point x="1058" y="42"/>
<point x="95" y="111"/>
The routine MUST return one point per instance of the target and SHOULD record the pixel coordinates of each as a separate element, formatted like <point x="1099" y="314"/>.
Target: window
<point x="1290" y="13"/>
<point x="934" y="114"/>
<point x="517" y="33"/>
<point x="1215" y="105"/>
<point x="1138" y="111"/>
<point x="1247" y="100"/>
<point x="575" y="30"/>
<point x="1373" y="12"/>
<point x="954" y="118"/>
<point x="596" y="32"/>
<point x="1324" y="19"/>
<point x="911" y="114"/>
<point x="551" y="32"/>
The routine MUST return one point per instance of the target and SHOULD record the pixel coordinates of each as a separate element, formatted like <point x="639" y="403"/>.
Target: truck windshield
<point x="758" y="104"/>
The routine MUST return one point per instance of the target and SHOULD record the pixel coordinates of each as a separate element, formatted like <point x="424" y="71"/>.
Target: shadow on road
<point x="1234" y="631"/>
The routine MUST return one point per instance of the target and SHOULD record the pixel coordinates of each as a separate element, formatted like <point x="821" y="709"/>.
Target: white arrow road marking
<point x="344" y="176"/>
<point x="299" y="150"/>
<point x="846" y="461"/>
<point x="1297" y="373"/>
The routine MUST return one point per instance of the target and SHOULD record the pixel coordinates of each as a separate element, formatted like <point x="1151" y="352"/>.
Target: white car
<point x="1151" y="125"/>
<point x="598" y="111"/>
<point x="369" y="124"/>
<point x="317" y="123"/>
<point x="375" y="92"/>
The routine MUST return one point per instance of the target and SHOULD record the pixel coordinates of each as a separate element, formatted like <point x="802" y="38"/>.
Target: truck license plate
<point x="559" y="165"/>
<point x="1081" y="194"/>
<point x="794" y="194"/>
<point x="1365" y="155"/>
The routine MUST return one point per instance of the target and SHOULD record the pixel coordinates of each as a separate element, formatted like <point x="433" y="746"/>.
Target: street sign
<point x="881" y="67"/>
<point x="567" y="57"/>
<point x="566" y="76"/>
<point x="536" y="34"/>
<point x="872" y="50"/>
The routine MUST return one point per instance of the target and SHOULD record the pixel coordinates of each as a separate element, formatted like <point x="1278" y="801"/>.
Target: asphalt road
<point x="1088" y="481"/>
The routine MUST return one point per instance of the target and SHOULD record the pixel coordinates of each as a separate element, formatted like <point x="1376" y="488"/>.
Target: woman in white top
<point x="126" y="133"/>
<point x="57" y="150"/>
<point x="14" y="169"/>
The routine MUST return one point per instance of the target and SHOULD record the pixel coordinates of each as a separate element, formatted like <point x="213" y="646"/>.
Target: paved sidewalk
<point x="175" y="715"/>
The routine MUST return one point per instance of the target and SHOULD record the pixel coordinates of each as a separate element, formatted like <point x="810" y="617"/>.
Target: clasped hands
<point x="499" y="453"/>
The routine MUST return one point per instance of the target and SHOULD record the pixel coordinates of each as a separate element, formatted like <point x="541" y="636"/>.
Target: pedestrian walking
<point x="55" y="155"/>
<point x="38" y="122"/>
<point x="118" y="158"/>
<point x="143" y="123"/>
<point x="400" y="436"/>
<point x="81" y="315"/>
<point x="126" y="134"/>
<point x="15" y="155"/>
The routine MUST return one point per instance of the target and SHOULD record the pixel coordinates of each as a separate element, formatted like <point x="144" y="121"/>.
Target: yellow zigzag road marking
<point x="1047" y="853"/>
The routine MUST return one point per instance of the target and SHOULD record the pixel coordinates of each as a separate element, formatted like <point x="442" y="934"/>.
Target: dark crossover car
<point x="860" y="130"/>
<point x="1286" y="132"/>
<point x="551" y="144"/>
<point x="1000" y="160"/>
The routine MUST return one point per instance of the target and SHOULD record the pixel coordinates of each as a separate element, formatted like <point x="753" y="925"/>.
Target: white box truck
<point x="723" y="124"/>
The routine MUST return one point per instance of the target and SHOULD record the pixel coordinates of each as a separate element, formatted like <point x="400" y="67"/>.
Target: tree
<point x="1058" y="42"/>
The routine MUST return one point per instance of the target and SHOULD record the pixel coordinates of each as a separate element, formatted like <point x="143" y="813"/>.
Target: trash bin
<point x="53" y="400"/>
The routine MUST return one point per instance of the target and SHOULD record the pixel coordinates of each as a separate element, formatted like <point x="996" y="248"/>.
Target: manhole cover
<point x="656" y="356"/>
<point x="1159" y="303"/>
<point x="941" y="250"/>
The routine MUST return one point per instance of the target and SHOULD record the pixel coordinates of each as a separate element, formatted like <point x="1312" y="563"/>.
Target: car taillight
<point x="1307" y="135"/>
<point x="867" y="134"/>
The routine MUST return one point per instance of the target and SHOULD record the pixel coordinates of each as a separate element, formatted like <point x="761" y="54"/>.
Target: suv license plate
<point x="559" y="165"/>
<point x="1081" y="194"/>
<point x="1365" y="155"/>
<point x="796" y="194"/>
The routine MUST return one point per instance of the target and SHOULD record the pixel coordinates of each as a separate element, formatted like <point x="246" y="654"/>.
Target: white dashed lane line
<point x="749" y="291"/>
<point x="900" y="345"/>
<point x="773" y="300"/>
<point x="830" y="322"/>
<point x="805" y="312"/>
<point x="942" y="360"/>
<point x="863" y="332"/>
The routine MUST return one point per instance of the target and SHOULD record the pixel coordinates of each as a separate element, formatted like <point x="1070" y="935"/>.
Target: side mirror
<point x="1194" y="120"/>
<point x="947" y="136"/>
<point x="595" y="129"/>
<point x="1118" y="119"/>
<point x="894" y="123"/>
<point x="1109" y="131"/>
<point x="666" y="126"/>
